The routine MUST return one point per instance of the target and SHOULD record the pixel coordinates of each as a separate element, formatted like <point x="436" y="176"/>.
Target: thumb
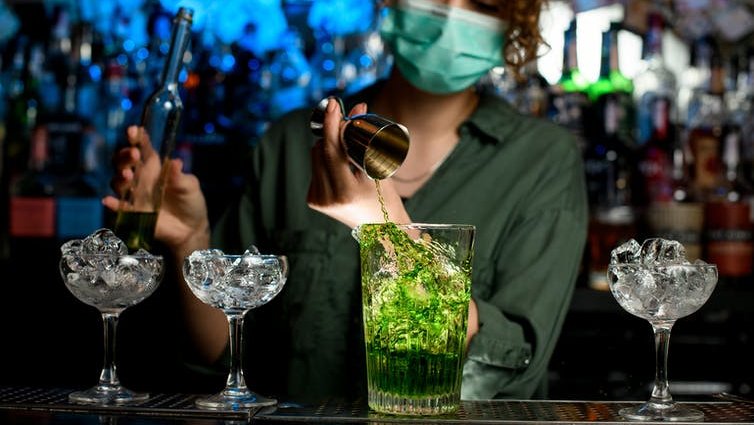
<point x="358" y="109"/>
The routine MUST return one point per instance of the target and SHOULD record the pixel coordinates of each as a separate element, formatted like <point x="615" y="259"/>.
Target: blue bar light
<point x="341" y="17"/>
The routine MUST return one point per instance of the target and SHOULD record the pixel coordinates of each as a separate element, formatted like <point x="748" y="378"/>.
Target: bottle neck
<point x="653" y="40"/>
<point x="606" y="61"/>
<point x="614" y="56"/>
<point x="178" y="43"/>
<point x="570" y="58"/>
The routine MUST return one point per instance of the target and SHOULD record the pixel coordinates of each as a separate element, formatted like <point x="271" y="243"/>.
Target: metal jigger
<point x="374" y="144"/>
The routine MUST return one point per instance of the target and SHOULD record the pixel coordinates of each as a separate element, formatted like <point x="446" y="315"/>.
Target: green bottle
<point x="571" y="80"/>
<point x="610" y="80"/>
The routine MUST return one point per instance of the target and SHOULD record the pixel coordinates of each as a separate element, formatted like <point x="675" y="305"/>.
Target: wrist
<point x="196" y="240"/>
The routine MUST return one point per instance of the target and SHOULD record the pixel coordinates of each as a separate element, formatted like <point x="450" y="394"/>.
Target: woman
<point x="473" y="159"/>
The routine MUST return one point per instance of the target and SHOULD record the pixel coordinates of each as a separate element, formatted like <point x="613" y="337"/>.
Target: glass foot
<point x="661" y="412"/>
<point x="107" y="394"/>
<point x="234" y="399"/>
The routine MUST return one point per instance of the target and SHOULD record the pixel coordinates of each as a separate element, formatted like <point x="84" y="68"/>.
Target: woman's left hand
<point x="342" y="191"/>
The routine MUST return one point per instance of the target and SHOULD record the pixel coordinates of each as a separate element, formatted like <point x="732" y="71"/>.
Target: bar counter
<point x="26" y="405"/>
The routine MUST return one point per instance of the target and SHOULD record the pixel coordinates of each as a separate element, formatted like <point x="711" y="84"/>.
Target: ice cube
<point x="104" y="241"/>
<point x="627" y="253"/>
<point x="152" y="264"/>
<point x="253" y="250"/>
<point x="206" y="267"/>
<point x="71" y="247"/>
<point x="241" y="274"/>
<point x="134" y="274"/>
<point x="657" y="251"/>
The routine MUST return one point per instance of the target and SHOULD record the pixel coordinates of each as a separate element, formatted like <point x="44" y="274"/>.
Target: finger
<point x="331" y="125"/>
<point x="122" y="180"/>
<point x="334" y="160"/>
<point x="138" y="137"/>
<point x="111" y="202"/>
<point x="125" y="163"/>
<point x="358" y="109"/>
<point x="126" y="158"/>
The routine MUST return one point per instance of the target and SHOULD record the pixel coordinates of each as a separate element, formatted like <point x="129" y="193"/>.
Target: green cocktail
<point x="416" y="287"/>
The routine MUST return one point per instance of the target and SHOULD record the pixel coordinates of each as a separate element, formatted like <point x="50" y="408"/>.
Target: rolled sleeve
<point x="498" y="343"/>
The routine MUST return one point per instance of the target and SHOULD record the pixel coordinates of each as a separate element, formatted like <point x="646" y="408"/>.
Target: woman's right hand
<point x="182" y="223"/>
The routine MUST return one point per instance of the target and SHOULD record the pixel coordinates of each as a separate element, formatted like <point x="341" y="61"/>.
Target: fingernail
<point x="331" y="105"/>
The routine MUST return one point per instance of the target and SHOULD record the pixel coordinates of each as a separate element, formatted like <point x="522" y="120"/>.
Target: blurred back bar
<point x="660" y="96"/>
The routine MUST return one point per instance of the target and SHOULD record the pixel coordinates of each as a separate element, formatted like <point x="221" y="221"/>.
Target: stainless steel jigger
<point x="376" y="145"/>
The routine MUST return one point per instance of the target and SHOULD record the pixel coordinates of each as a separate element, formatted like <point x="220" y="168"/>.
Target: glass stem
<point x="236" y="382"/>
<point x="661" y="391"/>
<point x="108" y="377"/>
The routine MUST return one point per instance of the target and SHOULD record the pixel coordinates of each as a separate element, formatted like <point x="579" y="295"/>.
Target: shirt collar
<point x="493" y="118"/>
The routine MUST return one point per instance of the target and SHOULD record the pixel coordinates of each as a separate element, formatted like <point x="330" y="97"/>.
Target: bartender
<point x="473" y="159"/>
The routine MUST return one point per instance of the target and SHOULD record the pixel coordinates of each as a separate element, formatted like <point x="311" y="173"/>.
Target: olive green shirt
<point x="518" y="179"/>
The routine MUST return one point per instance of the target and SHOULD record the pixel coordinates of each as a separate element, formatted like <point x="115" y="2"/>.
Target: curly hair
<point x="523" y="36"/>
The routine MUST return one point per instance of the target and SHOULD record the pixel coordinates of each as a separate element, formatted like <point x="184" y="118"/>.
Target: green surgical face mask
<point x="442" y="49"/>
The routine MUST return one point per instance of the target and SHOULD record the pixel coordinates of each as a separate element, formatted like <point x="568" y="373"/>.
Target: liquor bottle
<point x="656" y="155"/>
<point x="571" y="79"/>
<point x="728" y="227"/>
<point x="610" y="79"/>
<point x="671" y="212"/>
<point x="694" y="79"/>
<point x="612" y="94"/>
<point x="667" y="210"/>
<point x="56" y="144"/>
<point x="31" y="206"/>
<point x="742" y="112"/>
<point x="609" y="163"/>
<point x="706" y="128"/>
<point x="610" y="159"/>
<point x="568" y="97"/>
<point x="32" y="202"/>
<point x="22" y="110"/>
<point x="716" y="143"/>
<point x="655" y="83"/>
<point x="137" y="214"/>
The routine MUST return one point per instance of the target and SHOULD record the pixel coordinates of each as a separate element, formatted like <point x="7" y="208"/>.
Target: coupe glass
<point x="235" y="284"/>
<point x="661" y="293"/>
<point x="111" y="283"/>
